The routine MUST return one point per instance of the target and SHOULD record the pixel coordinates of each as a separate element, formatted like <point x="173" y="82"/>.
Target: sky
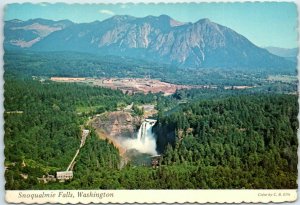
<point x="265" y="24"/>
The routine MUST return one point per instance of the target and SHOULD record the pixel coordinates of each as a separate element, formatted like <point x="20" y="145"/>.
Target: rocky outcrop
<point x="24" y="34"/>
<point x="118" y="124"/>
<point x="203" y="44"/>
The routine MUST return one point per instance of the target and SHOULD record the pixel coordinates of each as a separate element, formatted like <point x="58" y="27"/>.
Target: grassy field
<point x="283" y="78"/>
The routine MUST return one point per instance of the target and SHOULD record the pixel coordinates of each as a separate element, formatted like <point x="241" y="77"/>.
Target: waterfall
<point x="145" y="130"/>
<point x="145" y="141"/>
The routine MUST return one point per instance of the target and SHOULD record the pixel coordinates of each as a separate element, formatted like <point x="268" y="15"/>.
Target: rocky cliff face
<point x="117" y="124"/>
<point x="24" y="34"/>
<point x="203" y="44"/>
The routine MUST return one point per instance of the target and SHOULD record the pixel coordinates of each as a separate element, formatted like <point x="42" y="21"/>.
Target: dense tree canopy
<point x="74" y="64"/>
<point x="208" y="138"/>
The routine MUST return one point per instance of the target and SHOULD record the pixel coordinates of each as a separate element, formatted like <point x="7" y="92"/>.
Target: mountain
<point x="283" y="52"/>
<point x="24" y="34"/>
<point x="203" y="44"/>
<point x="287" y="53"/>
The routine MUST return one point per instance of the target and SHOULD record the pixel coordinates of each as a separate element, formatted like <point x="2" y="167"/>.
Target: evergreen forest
<point x="208" y="138"/>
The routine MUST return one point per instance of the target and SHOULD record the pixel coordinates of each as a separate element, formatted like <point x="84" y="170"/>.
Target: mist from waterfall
<point x="145" y="142"/>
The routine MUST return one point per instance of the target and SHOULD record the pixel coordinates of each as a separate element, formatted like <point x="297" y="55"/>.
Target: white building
<point x="64" y="175"/>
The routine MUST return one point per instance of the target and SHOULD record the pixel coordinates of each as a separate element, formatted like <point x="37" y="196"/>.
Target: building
<point x="155" y="161"/>
<point x="45" y="179"/>
<point x="64" y="175"/>
<point x="67" y="79"/>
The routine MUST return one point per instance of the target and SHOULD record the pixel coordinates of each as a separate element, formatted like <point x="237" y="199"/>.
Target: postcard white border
<point x="151" y="196"/>
<point x="141" y="196"/>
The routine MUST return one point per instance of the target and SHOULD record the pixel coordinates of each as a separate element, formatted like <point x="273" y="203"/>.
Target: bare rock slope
<point x="117" y="124"/>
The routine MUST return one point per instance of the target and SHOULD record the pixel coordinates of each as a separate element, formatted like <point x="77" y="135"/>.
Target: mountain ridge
<point x="202" y="44"/>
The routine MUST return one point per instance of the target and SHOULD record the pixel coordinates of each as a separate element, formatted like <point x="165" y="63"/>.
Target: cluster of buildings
<point x="62" y="176"/>
<point x="66" y="79"/>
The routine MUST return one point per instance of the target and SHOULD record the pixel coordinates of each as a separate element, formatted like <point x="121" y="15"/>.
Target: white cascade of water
<point x="145" y="141"/>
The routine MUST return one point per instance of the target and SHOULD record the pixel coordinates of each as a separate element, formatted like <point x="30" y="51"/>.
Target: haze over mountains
<point x="287" y="53"/>
<point x="203" y="44"/>
<point x="24" y="34"/>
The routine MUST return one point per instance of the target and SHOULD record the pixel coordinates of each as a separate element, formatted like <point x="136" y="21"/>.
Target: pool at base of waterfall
<point x="140" y="149"/>
<point x="145" y="142"/>
<point x="138" y="159"/>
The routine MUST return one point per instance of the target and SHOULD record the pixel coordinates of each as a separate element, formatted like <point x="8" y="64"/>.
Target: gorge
<point x="132" y="135"/>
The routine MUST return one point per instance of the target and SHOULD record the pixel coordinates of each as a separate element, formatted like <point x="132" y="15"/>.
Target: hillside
<point x="24" y="34"/>
<point x="203" y="44"/>
<point x="287" y="53"/>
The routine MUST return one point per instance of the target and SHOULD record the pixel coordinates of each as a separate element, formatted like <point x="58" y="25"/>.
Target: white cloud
<point x="43" y="4"/>
<point x="107" y="12"/>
